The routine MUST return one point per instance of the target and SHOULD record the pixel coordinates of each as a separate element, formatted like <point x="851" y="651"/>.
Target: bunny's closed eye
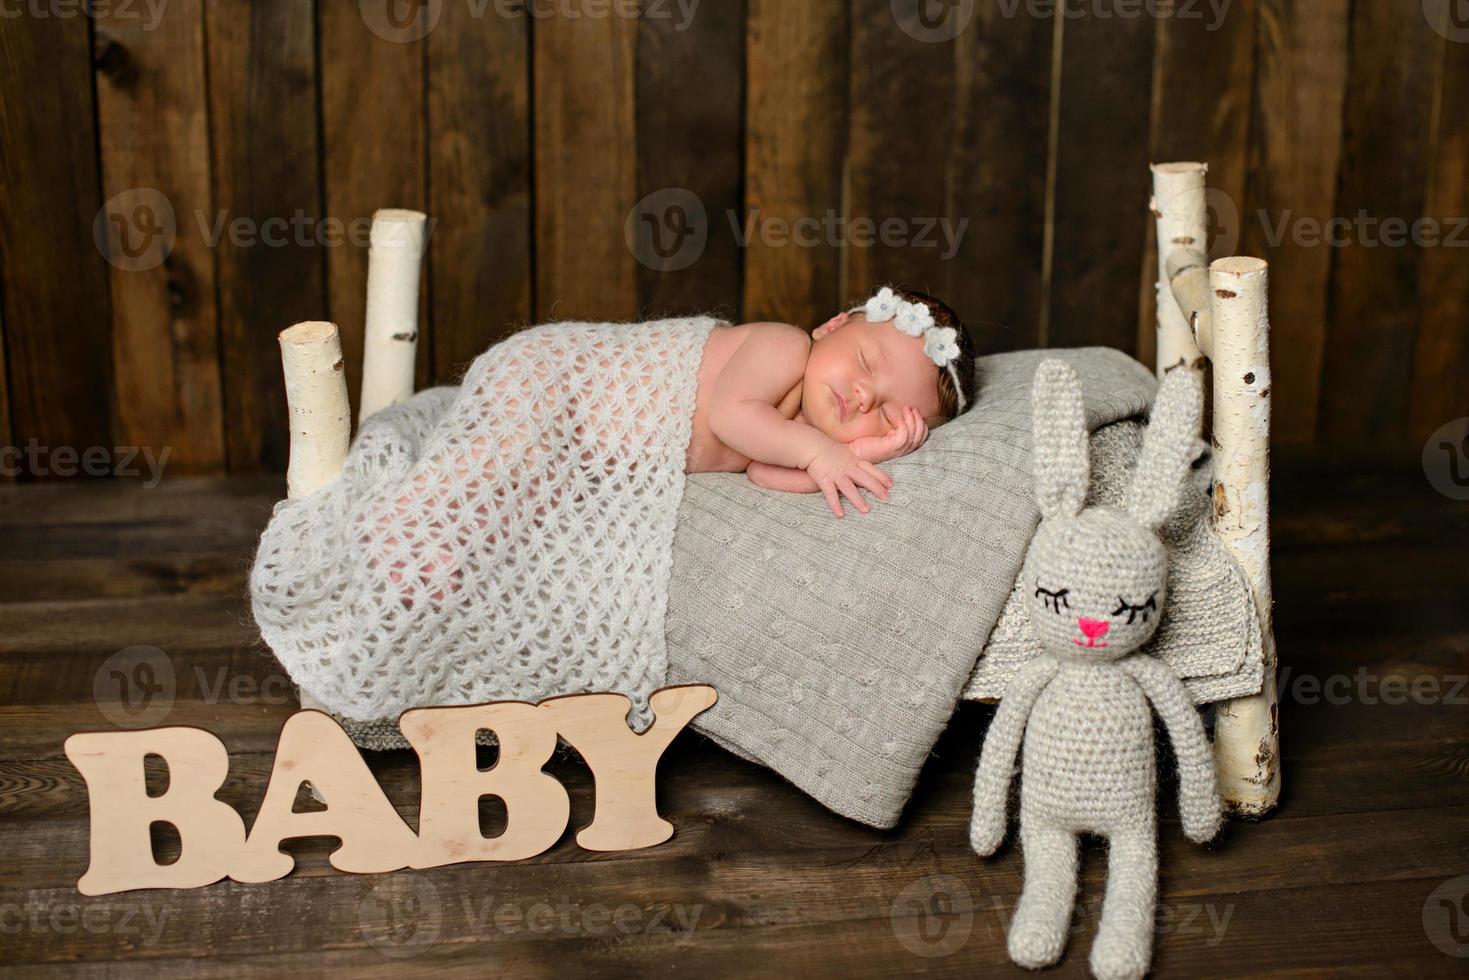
<point x="1053" y="600"/>
<point x="1133" y="611"/>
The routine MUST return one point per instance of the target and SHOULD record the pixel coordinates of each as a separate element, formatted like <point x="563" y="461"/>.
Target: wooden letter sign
<point x="314" y="748"/>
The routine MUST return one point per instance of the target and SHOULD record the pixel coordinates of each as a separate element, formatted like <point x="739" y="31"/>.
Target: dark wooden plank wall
<point x="567" y="163"/>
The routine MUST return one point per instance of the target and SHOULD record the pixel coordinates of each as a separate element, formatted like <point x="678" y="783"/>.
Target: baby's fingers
<point x="853" y="494"/>
<point x="876" y="480"/>
<point x="832" y="500"/>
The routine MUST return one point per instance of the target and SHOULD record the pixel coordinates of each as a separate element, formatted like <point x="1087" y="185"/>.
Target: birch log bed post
<point x="320" y="413"/>
<point x="390" y="347"/>
<point x="1219" y="312"/>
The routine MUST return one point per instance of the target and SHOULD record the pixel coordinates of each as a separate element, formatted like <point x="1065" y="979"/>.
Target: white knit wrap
<point x="508" y="539"/>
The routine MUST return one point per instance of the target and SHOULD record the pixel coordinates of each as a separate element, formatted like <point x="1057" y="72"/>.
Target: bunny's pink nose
<point x="1093" y="628"/>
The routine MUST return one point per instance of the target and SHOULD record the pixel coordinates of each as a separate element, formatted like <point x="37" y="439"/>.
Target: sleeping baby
<point x="512" y="537"/>
<point x="806" y="413"/>
<point x="796" y="412"/>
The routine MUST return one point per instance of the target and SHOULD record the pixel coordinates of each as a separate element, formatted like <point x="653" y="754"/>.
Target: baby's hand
<point x="910" y="433"/>
<point x="837" y="471"/>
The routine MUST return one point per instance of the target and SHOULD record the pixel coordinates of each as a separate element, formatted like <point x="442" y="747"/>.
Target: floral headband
<point x="941" y="344"/>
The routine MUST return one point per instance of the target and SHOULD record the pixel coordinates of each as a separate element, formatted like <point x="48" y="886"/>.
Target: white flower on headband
<point x="913" y="319"/>
<point x="941" y="345"/>
<point x="883" y="306"/>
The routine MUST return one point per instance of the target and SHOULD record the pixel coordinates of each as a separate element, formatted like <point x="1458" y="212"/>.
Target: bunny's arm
<point x="997" y="759"/>
<point x="1199" y="805"/>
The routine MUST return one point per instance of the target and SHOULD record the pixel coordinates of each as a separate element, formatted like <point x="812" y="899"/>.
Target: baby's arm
<point x="769" y="363"/>
<point x="742" y="408"/>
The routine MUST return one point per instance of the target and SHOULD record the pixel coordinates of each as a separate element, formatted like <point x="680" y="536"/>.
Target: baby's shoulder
<point x="778" y="335"/>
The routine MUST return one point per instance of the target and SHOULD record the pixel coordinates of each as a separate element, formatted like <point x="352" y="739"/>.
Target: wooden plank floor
<point x="1349" y="877"/>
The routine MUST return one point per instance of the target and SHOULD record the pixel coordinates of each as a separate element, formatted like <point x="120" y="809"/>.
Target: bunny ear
<point x="1058" y="440"/>
<point x="1169" y="448"/>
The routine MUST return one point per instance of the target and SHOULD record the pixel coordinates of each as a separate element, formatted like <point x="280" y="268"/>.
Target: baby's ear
<point x="830" y="325"/>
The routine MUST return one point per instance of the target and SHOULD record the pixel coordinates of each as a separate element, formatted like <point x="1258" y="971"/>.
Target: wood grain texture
<point x="1395" y="63"/>
<point x="1001" y="142"/>
<point x="690" y="137"/>
<point x="9" y="467"/>
<point x="264" y="117"/>
<point x="899" y="162"/>
<point x="372" y="131"/>
<point x="55" y="284"/>
<point x="1203" y="81"/>
<point x="1439" y="389"/>
<point x="154" y="116"/>
<point x="796" y="131"/>
<point x="1100" y="214"/>
<point x="1295" y="150"/>
<point x="585" y="164"/>
<point x="480" y="262"/>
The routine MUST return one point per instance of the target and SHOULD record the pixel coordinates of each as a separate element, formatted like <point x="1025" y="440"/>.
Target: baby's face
<point x="860" y="376"/>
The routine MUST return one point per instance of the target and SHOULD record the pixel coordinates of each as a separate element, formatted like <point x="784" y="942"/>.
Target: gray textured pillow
<point x="840" y="647"/>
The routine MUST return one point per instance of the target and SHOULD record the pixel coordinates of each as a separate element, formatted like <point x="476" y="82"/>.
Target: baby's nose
<point x="1093" y="628"/>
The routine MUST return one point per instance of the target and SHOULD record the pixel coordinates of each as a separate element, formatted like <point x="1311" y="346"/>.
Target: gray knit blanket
<point x="841" y="648"/>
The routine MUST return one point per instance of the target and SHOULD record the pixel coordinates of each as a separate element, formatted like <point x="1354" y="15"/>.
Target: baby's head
<point x="866" y="365"/>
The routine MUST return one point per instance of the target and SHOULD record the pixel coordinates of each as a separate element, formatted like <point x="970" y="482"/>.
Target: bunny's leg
<point x="1043" y="917"/>
<point x="1124" y="943"/>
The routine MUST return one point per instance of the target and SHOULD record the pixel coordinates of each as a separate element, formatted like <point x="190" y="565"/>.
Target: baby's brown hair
<point x="963" y="365"/>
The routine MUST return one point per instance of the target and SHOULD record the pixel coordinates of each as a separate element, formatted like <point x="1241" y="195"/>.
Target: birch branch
<point x="390" y="347"/>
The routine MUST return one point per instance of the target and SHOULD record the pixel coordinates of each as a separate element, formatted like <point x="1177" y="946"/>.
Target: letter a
<point x="313" y="748"/>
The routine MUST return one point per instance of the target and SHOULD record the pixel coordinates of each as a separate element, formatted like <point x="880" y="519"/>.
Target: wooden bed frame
<point x="1209" y="315"/>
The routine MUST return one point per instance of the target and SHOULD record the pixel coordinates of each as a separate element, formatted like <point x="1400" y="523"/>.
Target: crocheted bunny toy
<point x="1081" y="707"/>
